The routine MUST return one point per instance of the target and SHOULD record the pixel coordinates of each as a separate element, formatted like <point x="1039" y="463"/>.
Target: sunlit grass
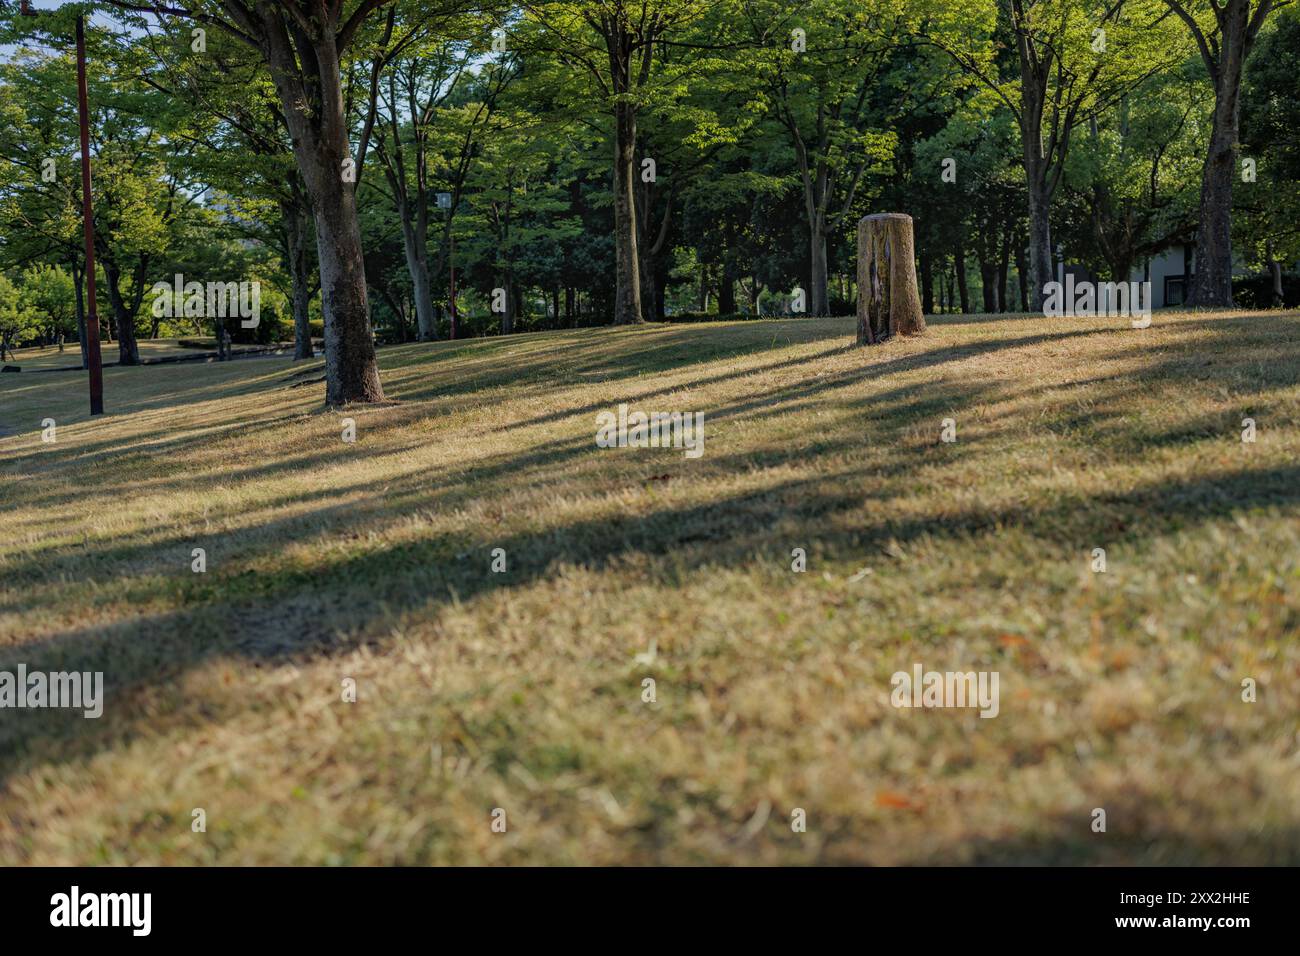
<point x="51" y="357"/>
<point x="523" y="690"/>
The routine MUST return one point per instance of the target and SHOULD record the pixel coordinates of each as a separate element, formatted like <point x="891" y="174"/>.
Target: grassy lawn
<point x="523" y="690"/>
<point x="50" y="357"/>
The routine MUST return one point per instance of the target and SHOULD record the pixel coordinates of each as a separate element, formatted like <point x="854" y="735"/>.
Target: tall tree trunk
<point x="1212" y="283"/>
<point x="1121" y="264"/>
<point x="508" y="316"/>
<point x="1040" y="240"/>
<point x="818" y="294"/>
<point x="223" y="339"/>
<point x="296" y="247"/>
<point x="627" y="283"/>
<point x="1039" y="174"/>
<point x="651" y="243"/>
<point x="128" y="353"/>
<point x="414" y="246"/>
<point x="927" y="283"/>
<point x="1004" y="265"/>
<point x="988" y="286"/>
<point x="1022" y="273"/>
<point x="309" y="84"/>
<point x="1275" y="270"/>
<point x="726" y="294"/>
<point x="963" y="291"/>
<point x="649" y="288"/>
<point x="78" y="274"/>
<point x="413" y="214"/>
<point x="1224" y="53"/>
<point x="727" y="288"/>
<point x="351" y="371"/>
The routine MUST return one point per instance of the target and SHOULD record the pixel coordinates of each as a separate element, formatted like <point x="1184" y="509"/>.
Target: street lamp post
<point x="93" y="360"/>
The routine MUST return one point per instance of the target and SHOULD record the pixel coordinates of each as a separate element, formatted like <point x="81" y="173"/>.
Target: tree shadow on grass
<point x="978" y="318"/>
<point x="594" y="355"/>
<point x="870" y="369"/>
<point x="1134" y="838"/>
<point x="1142" y="832"/>
<point x="1216" y="366"/>
<point x="392" y="499"/>
<point x="352" y="599"/>
<point x="156" y="453"/>
<point x="243" y="614"/>
<point x="541" y="363"/>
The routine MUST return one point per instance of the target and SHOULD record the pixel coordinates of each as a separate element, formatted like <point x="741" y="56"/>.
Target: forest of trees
<point x="588" y="162"/>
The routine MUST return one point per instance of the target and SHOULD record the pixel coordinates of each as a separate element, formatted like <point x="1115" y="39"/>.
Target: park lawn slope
<point x="331" y="562"/>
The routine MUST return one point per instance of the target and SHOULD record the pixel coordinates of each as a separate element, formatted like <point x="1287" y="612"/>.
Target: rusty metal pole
<point x="88" y="221"/>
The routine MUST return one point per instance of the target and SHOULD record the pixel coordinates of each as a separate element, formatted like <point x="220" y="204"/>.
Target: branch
<point x="1211" y="61"/>
<point x="349" y="29"/>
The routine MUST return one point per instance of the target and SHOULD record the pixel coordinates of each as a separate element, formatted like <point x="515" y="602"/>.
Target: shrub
<point x="1256" y="291"/>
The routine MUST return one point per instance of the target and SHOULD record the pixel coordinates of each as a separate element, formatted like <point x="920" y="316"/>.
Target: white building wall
<point x="1170" y="263"/>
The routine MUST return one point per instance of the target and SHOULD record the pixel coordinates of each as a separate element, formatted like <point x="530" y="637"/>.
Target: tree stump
<point x="888" y="303"/>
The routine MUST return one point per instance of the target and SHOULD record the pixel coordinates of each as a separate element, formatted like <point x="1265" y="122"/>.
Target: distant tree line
<point x="590" y="162"/>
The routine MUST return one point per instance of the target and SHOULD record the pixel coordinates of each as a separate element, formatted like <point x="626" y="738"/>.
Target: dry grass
<point x="49" y="357"/>
<point x="523" y="690"/>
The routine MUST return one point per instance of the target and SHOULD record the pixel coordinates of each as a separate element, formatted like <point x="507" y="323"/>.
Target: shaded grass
<point x="522" y="690"/>
<point x="49" y="358"/>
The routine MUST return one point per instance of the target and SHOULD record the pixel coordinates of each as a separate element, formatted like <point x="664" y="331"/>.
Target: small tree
<point x="16" y="318"/>
<point x="52" y="299"/>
